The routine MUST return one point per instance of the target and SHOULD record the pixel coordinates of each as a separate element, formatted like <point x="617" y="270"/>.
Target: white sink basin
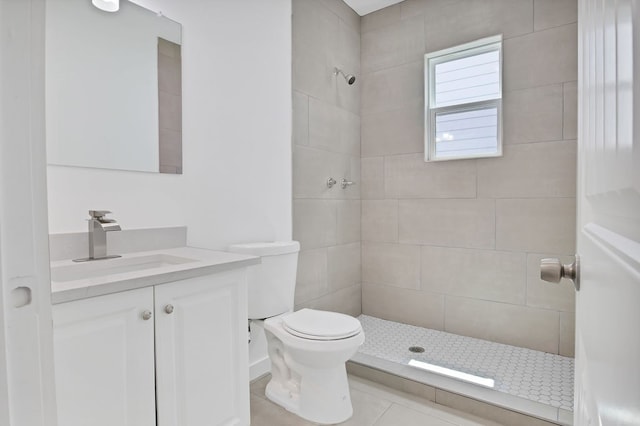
<point x="103" y="268"/>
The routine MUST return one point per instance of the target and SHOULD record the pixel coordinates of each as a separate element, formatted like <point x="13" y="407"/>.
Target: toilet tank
<point x="272" y="284"/>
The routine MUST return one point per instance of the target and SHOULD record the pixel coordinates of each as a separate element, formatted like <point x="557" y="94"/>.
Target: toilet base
<point x="320" y="396"/>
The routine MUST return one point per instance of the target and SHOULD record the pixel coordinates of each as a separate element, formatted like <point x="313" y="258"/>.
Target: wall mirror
<point x="113" y="88"/>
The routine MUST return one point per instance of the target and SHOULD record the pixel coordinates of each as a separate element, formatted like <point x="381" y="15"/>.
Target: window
<point x="463" y="101"/>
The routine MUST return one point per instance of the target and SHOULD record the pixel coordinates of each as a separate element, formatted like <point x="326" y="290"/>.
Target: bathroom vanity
<point x="152" y="338"/>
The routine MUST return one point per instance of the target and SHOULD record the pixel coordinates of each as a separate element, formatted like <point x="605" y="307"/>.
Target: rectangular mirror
<point x="113" y="88"/>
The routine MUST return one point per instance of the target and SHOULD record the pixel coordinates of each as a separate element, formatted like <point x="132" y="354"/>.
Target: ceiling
<point x="364" y="7"/>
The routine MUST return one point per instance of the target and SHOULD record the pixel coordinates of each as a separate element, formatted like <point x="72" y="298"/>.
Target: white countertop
<point x="201" y="262"/>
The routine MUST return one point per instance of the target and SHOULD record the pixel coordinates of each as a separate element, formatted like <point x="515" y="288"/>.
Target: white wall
<point x="236" y="184"/>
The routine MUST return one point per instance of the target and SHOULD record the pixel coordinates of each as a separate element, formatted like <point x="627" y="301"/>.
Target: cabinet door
<point x="202" y="367"/>
<point x="104" y="360"/>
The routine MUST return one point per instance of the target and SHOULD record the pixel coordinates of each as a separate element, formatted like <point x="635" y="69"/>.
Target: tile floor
<point x="533" y="375"/>
<point x="373" y="405"/>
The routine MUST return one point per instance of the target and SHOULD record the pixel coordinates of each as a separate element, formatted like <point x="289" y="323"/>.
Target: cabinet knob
<point x="168" y="309"/>
<point x="146" y="315"/>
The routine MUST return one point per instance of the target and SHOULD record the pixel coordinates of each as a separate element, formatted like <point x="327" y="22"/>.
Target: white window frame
<point x="430" y="61"/>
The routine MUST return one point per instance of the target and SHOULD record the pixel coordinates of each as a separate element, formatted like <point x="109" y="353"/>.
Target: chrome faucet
<point x="99" y="225"/>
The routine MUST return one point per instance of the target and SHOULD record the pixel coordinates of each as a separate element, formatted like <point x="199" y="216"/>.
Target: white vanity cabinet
<point x="172" y="354"/>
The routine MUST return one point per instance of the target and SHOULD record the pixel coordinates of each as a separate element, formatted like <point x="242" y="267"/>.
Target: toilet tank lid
<point x="271" y="248"/>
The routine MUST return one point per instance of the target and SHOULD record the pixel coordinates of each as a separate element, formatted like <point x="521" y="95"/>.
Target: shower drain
<point x="416" y="349"/>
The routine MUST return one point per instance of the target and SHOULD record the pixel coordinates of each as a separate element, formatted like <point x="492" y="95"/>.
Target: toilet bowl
<point x="308" y="351"/>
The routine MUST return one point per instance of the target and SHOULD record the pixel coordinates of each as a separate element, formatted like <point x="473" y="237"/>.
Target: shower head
<point x="350" y="78"/>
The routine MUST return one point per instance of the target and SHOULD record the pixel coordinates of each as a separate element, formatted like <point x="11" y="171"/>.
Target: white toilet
<point x="308" y="348"/>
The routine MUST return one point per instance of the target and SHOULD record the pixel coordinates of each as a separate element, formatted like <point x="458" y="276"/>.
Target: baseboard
<point x="259" y="368"/>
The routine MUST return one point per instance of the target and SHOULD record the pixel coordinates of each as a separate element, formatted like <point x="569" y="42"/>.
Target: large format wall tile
<point x="312" y="167"/>
<point x="372" y="176"/>
<point x="481" y="274"/>
<point x="348" y="221"/>
<point x="570" y="129"/>
<point x="532" y="115"/>
<point x="535" y="170"/>
<point x="413" y="307"/>
<point x="541" y="225"/>
<point x="300" y="118"/>
<point x="553" y="13"/>
<point x="380" y="18"/>
<point x="541" y="58"/>
<point x="393" y="88"/>
<point x="311" y="279"/>
<point x="567" y="334"/>
<point x="503" y="323"/>
<point x="347" y="301"/>
<point x="314" y="223"/>
<point x="542" y="294"/>
<point x="396" y="265"/>
<point x="450" y="23"/>
<point x="449" y="223"/>
<point x="344" y="12"/>
<point x="333" y="129"/>
<point x="409" y="176"/>
<point x="392" y="45"/>
<point x="393" y="132"/>
<point x="380" y="220"/>
<point x="344" y="266"/>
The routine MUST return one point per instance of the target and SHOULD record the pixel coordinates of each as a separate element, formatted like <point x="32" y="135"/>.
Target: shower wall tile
<point x="344" y="12"/>
<point x="392" y="45"/>
<point x="372" y="176"/>
<point x="380" y="18"/>
<point x="570" y="128"/>
<point x="541" y="58"/>
<point x="344" y="266"/>
<point x="503" y="323"/>
<point x="407" y="306"/>
<point x="481" y="274"/>
<point x="300" y="118"/>
<point x="567" y="334"/>
<point x="542" y="294"/>
<point x="553" y="13"/>
<point x="333" y="129"/>
<point x="326" y="143"/>
<point x="396" y="265"/>
<point x="311" y="279"/>
<point x="533" y="115"/>
<point x="393" y="132"/>
<point x="535" y="170"/>
<point x="409" y="176"/>
<point x="496" y="216"/>
<point x="393" y="88"/>
<point x="380" y="220"/>
<point x="347" y="301"/>
<point x="314" y="223"/>
<point x="348" y="221"/>
<point x="449" y="223"/>
<point x="543" y="225"/>
<point x="312" y="167"/>
<point x="449" y="23"/>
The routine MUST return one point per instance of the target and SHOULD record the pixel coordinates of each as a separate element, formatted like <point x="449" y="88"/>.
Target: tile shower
<point x="451" y="246"/>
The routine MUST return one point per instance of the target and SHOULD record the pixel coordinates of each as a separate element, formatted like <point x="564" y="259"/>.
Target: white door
<point x="202" y="361"/>
<point x="104" y="356"/>
<point x="608" y="303"/>
<point x="27" y="390"/>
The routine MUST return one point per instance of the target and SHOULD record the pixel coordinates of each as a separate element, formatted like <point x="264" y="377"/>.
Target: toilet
<point x="308" y="348"/>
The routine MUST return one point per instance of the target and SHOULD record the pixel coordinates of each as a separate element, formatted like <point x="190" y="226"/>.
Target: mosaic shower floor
<point x="529" y="375"/>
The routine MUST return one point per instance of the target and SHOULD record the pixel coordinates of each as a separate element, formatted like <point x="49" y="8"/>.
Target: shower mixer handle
<point x="344" y="183"/>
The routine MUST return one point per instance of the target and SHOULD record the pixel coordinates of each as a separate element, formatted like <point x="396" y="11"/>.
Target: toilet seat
<point x="320" y="325"/>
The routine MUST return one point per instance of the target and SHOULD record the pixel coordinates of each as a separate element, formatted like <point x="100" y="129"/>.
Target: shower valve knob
<point x="330" y="182"/>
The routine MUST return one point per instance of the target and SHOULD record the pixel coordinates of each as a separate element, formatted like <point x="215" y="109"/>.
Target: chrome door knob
<point x="146" y="315"/>
<point x="552" y="270"/>
<point x="168" y="309"/>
